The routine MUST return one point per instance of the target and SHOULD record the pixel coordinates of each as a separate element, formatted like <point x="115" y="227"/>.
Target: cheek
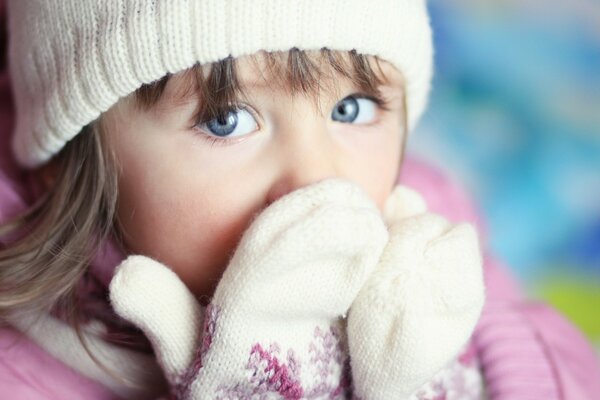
<point x="191" y="226"/>
<point x="181" y="203"/>
<point x="374" y="161"/>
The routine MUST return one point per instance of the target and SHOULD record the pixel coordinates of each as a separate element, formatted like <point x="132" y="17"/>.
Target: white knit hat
<point x="71" y="60"/>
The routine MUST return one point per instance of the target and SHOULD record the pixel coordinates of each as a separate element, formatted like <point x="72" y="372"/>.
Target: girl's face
<point x="188" y="191"/>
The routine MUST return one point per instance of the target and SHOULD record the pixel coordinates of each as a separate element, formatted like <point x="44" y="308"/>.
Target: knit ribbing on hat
<point x="71" y="60"/>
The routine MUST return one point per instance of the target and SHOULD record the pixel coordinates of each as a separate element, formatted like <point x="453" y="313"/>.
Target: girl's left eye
<point x="355" y="110"/>
<point x="232" y="123"/>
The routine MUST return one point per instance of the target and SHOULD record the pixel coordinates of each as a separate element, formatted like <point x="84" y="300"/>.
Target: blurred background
<point x="515" y="116"/>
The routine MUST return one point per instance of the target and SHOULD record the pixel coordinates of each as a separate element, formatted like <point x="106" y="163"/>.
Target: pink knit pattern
<point x="269" y="374"/>
<point x="461" y="379"/>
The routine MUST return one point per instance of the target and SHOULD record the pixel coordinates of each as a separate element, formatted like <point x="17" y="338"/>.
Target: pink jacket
<point x="526" y="349"/>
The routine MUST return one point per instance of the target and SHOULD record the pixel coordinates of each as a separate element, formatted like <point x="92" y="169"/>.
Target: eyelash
<point x="212" y="141"/>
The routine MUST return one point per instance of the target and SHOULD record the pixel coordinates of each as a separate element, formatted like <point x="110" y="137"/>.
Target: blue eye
<point x="357" y="110"/>
<point x="232" y="123"/>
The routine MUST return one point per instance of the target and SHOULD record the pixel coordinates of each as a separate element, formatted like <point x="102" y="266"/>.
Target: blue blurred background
<point x="515" y="115"/>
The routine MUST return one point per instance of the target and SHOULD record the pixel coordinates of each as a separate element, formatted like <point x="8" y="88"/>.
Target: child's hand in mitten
<point x="273" y="326"/>
<point x="420" y="305"/>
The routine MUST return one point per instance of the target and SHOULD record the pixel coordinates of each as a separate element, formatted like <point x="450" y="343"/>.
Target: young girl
<point x="222" y="175"/>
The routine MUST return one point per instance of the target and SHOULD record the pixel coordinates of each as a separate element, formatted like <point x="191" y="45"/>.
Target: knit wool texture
<point x="71" y="60"/>
<point x="293" y="276"/>
<point x="420" y="305"/>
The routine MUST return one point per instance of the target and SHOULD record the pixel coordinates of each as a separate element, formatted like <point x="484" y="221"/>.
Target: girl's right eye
<point x="232" y="123"/>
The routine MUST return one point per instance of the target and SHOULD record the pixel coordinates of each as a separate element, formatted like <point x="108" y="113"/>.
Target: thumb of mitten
<point x="402" y="203"/>
<point x="153" y="298"/>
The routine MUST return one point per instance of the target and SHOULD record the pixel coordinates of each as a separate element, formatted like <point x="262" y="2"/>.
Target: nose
<point x="305" y="156"/>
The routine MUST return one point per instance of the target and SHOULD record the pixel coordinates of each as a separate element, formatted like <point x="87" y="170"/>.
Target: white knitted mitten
<point x="273" y="328"/>
<point x="420" y="305"/>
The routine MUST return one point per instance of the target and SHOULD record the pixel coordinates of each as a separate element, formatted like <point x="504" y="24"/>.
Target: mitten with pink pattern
<point x="274" y="326"/>
<point x="420" y="305"/>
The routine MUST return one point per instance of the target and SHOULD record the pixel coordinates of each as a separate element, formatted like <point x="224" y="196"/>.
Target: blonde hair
<point x="59" y="234"/>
